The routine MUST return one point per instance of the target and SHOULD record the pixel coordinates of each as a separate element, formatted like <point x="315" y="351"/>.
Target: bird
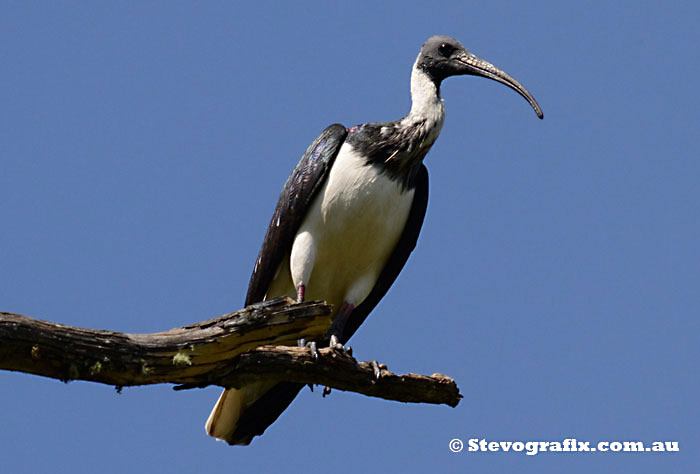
<point x="346" y="222"/>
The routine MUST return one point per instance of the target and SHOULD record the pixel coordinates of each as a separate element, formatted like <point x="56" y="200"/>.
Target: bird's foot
<point x="375" y="367"/>
<point x="311" y="345"/>
<point x="335" y="345"/>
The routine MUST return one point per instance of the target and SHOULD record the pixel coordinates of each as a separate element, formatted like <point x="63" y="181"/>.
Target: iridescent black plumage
<point x="396" y="150"/>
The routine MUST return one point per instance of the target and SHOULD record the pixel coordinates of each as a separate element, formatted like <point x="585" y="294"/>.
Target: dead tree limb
<point x="228" y="351"/>
<point x="339" y="370"/>
<point x="182" y="355"/>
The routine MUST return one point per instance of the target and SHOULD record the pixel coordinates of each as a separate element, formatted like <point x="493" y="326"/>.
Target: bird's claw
<point x="312" y="347"/>
<point x="376" y="369"/>
<point x="335" y="345"/>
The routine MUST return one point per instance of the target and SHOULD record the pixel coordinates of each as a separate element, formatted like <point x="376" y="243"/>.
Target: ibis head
<point x="442" y="57"/>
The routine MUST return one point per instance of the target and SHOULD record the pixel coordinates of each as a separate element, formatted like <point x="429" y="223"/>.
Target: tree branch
<point x="229" y="351"/>
<point x="339" y="370"/>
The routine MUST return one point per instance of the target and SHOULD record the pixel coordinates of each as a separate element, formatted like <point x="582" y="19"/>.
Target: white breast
<point x="347" y="235"/>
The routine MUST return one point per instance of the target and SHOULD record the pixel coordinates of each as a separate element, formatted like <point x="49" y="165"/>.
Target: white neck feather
<point x="426" y="103"/>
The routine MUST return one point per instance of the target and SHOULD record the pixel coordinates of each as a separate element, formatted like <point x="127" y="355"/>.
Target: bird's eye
<point x="445" y="49"/>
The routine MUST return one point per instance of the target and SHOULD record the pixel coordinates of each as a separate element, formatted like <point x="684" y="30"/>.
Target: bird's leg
<point x="335" y="331"/>
<point x="338" y="326"/>
<point x="301" y="291"/>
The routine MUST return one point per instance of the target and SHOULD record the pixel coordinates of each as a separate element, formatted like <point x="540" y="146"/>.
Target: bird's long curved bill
<point x="478" y="67"/>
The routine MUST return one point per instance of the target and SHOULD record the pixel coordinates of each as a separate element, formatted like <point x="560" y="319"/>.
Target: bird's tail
<point x="243" y="413"/>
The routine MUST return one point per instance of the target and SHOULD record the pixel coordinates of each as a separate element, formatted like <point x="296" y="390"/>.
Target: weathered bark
<point x="224" y="351"/>
<point x="182" y="355"/>
<point x="339" y="370"/>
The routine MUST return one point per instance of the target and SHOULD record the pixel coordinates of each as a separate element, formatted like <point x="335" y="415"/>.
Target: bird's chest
<point x="353" y="225"/>
<point x="358" y="198"/>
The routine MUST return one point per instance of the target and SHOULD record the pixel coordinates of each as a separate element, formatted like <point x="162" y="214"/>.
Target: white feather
<point x="348" y="233"/>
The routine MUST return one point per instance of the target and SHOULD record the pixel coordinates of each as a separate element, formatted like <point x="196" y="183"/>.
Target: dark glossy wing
<point x="298" y="192"/>
<point x="398" y="258"/>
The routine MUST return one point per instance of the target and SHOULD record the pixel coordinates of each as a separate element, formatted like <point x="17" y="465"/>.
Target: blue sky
<point x="143" y="146"/>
